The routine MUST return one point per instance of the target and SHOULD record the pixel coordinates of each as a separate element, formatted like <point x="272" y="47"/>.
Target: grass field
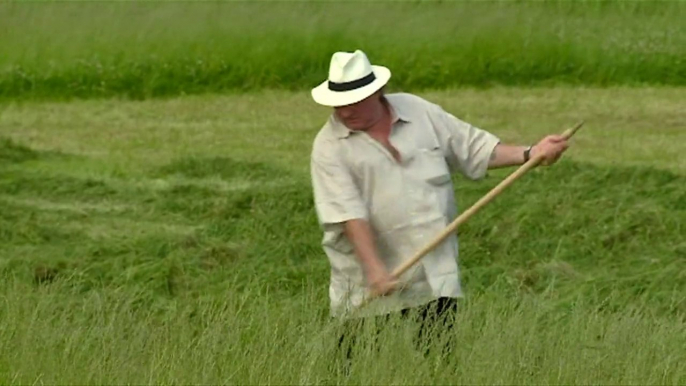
<point x="141" y="50"/>
<point x="157" y="221"/>
<point x="175" y="241"/>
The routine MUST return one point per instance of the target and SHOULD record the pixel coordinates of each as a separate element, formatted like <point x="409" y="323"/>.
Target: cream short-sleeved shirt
<point x="406" y="204"/>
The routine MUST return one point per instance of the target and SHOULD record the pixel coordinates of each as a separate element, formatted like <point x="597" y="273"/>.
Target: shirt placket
<point x="407" y="184"/>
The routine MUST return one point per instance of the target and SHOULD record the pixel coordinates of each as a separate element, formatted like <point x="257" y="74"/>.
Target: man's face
<point x="361" y="115"/>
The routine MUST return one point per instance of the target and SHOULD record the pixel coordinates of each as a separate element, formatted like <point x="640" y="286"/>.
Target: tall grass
<point x="154" y="49"/>
<point x="52" y="335"/>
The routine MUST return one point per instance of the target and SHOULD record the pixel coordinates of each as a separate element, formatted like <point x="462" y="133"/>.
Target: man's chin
<point x="355" y="126"/>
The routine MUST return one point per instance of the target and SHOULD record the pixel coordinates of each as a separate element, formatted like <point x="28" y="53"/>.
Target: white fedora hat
<point x="352" y="78"/>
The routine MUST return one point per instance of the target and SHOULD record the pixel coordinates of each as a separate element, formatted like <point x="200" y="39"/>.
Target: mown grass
<point x="614" y="234"/>
<point x="175" y="241"/>
<point x="140" y="50"/>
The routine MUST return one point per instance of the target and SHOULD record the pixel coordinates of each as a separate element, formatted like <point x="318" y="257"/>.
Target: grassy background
<point x="140" y="50"/>
<point x="175" y="241"/>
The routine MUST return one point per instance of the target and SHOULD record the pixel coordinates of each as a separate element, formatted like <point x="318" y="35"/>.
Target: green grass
<point x="96" y="49"/>
<point x="175" y="241"/>
<point x="52" y="335"/>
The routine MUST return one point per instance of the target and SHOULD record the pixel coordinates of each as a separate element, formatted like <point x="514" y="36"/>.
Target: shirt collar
<point x="397" y="114"/>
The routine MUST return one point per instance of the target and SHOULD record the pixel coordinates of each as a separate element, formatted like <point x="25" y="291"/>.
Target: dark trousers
<point x="433" y="319"/>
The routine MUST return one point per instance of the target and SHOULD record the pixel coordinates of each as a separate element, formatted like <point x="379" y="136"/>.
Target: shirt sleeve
<point x="336" y="196"/>
<point x="467" y="148"/>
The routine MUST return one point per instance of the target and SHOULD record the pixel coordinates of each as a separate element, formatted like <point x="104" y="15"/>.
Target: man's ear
<point x="380" y="93"/>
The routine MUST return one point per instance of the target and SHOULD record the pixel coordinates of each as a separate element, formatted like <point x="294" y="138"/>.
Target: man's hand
<point x="552" y="147"/>
<point x="380" y="282"/>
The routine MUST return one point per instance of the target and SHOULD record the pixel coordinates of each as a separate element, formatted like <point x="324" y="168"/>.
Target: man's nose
<point x="344" y="112"/>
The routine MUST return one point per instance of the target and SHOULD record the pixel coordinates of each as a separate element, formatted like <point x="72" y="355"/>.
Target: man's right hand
<point x="379" y="280"/>
<point x="381" y="283"/>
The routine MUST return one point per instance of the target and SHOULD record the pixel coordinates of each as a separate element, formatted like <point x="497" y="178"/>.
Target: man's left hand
<point x="552" y="147"/>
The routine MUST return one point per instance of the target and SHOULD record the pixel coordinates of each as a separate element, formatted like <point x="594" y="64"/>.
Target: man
<point x="381" y="173"/>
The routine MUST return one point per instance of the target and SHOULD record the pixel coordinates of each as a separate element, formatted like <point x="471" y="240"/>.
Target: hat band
<point x="347" y="86"/>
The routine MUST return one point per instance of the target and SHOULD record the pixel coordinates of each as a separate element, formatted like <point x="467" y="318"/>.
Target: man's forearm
<point x="506" y="155"/>
<point x="360" y="234"/>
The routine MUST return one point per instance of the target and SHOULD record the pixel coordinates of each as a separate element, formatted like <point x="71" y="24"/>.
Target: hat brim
<point x="322" y="95"/>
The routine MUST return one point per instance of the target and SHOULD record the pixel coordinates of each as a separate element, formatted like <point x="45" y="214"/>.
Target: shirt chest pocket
<point x="430" y="166"/>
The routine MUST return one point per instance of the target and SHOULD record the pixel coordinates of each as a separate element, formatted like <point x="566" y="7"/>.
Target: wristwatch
<point x="527" y="153"/>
